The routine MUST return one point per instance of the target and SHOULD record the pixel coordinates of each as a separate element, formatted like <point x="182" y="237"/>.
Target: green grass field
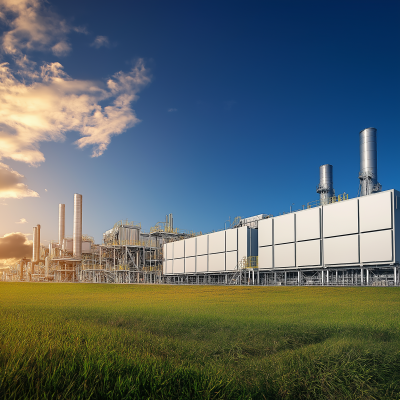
<point x="91" y="341"/>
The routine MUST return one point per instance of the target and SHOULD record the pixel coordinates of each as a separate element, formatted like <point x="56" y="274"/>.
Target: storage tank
<point x="325" y="187"/>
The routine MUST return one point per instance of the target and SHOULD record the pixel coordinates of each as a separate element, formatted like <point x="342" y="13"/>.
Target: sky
<point x="205" y="109"/>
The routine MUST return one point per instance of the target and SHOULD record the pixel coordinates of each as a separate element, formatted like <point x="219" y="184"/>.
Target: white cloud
<point x="43" y="103"/>
<point x="45" y="190"/>
<point x="54" y="104"/>
<point x="172" y="109"/>
<point x="33" y="27"/>
<point x="100" y="41"/>
<point x="22" y="221"/>
<point x="11" y="185"/>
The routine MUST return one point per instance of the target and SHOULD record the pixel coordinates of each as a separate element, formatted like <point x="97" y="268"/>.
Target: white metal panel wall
<point x="165" y="251"/>
<point x="308" y="224"/>
<point x="243" y="242"/>
<point x="179" y="249"/>
<point x="340" y="218"/>
<point x="202" y="245"/>
<point x="170" y="251"/>
<point x="216" y="242"/>
<point x="190" y="247"/>
<point x="284" y="255"/>
<point x="179" y="266"/>
<point x="308" y="253"/>
<point x="216" y="262"/>
<point x="231" y="239"/>
<point x="190" y="264"/>
<point x="202" y="263"/>
<point x="376" y="212"/>
<point x="231" y="261"/>
<point x="376" y="246"/>
<point x="265" y="257"/>
<point x="341" y="250"/>
<point x="169" y="266"/>
<point x="284" y="229"/>
<point x="265" y="232"/>
<point x="396" y="227"/>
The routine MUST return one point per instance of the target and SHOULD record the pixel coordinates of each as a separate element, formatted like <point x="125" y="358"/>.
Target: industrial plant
<point x="332" y="241"/>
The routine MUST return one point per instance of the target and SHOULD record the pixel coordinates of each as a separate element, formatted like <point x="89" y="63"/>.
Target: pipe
<point x="61" y="223"/>
<point x="77" y="236"/>
<point x="325" y="187"/>
<point x="368" y="174"/>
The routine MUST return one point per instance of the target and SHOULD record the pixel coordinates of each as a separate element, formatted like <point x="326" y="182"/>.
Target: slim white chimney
<point x="77" y="237"/>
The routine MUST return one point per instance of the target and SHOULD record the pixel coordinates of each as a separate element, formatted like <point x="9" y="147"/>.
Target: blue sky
<point x="232" y="107"/>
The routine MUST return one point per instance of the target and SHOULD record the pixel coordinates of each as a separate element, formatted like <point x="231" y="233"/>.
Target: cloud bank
<point x="12" y="186"/>
<point x="42" y="103"/>
<point x="15" y="245"/>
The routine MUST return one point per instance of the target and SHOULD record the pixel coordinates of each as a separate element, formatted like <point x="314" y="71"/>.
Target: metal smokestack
<point x="38" y="243"/>
<point x="61" y="223"/>
<point x="34" y="244"/>
<point x="171" y="222"/>
<point x="325" y="187"/>
<point x="368" y="163"/>
<point x="77" y="237"/>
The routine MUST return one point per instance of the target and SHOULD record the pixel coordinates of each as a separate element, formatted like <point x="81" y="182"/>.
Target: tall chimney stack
<point x="325" y="187"/>
<point x="34" y="244"/>
<point x="368" y="163"/>
<point x="77" y="237"/>
<point x="61" y="223"/>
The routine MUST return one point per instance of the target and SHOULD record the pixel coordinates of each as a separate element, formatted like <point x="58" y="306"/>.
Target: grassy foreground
<point x="91" y="341"/>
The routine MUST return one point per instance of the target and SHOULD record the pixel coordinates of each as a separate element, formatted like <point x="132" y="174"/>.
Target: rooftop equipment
<point x="368" y="163"/>
<point x="61" y="223"/>
<point x="77" y="236"/>
<point x="325" y="187"/>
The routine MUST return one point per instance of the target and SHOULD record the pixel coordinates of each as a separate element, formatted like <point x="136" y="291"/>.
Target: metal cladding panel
<point x="396" y="210"/>
<point x="243" y="242"/>
<point x="284" y="255"/>
<point x="179" y="266"/>
<point x="170" y="251"/>
<point x="376" y="246"/>
<point x="190" y="247"/>
<point x="86" y="247"/>
<point x="67" y="246"/>
<point x="284" y="229"/>
<point x="265" y="260"/>
<point x="216" y="242"/>
<point x="179" y="249"/>
<point x="308" y="224"/>
<point x="164" y="251"/>
<point x="340" y="218"/>
<point x="231" y="261"/>
<point x="169" y="266"/>
<point x="265" y="232"/>
<point x="376" y="212"/>
<point x="231" y="239"/>
<point x="341" y="250"/>
<point x="190" y="264"/>
<point x="202" y="245"/>
<point x="202" y="263"/>
<point x="216" y="262"/>
<point x="308" y="253"/>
